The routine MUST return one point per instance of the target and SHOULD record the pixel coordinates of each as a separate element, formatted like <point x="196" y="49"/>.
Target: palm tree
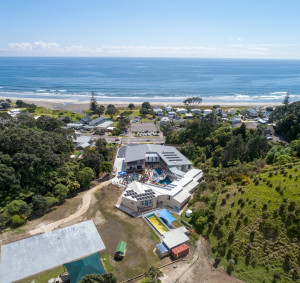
<point x="154" y="274"/>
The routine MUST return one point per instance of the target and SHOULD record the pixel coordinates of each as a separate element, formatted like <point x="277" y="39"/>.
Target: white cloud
<point x="238" y="50"/>
<point x="38" y="45"/>
<point x="236" y="39"/>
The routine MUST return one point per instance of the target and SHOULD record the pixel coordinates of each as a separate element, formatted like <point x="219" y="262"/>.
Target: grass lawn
<point x="54" y="113"/>
<point x="106" y="261"/>
<point x="45" y="276"/>
<point x="114" y="226"/>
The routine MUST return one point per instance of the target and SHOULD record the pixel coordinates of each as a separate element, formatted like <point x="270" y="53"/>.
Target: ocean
<point x="150" y="79"/>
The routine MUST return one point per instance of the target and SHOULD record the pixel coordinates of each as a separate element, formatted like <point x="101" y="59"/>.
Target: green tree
<point x="85" y="176"/>
<point x="154" y="274"/>
<point x="92" y="158"/>
<point x="286" y="99"/>
<point x="146" y="105"/>
<point x="17" y="220"/>
<point x="5" y="105"/>
<point x="39" y="202"/>
<point x="201" y="222"/>
<point x="93" y="103"/>
<point x="192" y="101"/>
<point x="131" y="106"/>
<point x="100" y="109"/>
<point x="48" y="123"/>
<point x="111" y="110"/>
<point x="18" y="207"/>
<point x="144" y="111"/>
<point x="105" y="167"/>
<point x="97" y="278"/>
<point x="60" y="191"/>
<point x="20" y="103"/>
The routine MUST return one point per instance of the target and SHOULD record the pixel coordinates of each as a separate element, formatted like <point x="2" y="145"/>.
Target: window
<point x="150" y="201"/>
<point x="146" y="203"/>
<point x="169" y="197"/>
<point x="142" y="203"/>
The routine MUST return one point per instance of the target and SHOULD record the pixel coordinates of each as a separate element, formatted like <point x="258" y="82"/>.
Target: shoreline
<point x="75" y="105"/>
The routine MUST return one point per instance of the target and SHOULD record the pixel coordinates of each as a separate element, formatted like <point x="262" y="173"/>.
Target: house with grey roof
<point x="97" y="121"/>
<point x="158" y="111"/>
<point x="83" y="141"/>
<point x="164" y="121"/>
<point x="137" y="157"/>
<point x="168" y="108"/>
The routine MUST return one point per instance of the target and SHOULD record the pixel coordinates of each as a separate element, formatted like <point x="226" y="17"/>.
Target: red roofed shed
<point x="180" y="251"/>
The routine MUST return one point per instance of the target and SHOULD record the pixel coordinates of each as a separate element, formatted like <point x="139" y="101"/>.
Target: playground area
<point x="153" y="176"/>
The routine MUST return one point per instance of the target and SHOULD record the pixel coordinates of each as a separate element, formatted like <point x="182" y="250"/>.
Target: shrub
<point x="269" y="228"/>
<point x="17" y="220"/>
<point x="292" y="206"/>
<point x="252" y="234"/>
<point x="4" y="219"/>
<point x="265" y="206"/>
<point x="18" y="207"/>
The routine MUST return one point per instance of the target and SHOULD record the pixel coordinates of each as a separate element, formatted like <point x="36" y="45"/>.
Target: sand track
<point x="86" y="201"/>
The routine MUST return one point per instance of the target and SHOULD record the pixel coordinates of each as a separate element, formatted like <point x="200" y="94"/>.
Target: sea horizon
<point x="128" y="79"/>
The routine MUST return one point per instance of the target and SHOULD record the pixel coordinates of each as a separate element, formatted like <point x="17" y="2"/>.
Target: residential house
<point x="189" y="116"/>
<point x="164" y="121"/>
<point x="168" y="108"/>
<point x="171" y="114"/>
<point x="207" y="112"/>
<point x="97" y="121"/>
<point x="252" y="113"/>
<point x="181" y="111"/>
<point x="177" y="119"/>
<point x="232" y="111"/>
<point x="196" y="111"/>
<point x="158" y="111"/>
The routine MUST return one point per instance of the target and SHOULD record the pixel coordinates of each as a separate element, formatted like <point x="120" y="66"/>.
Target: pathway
<point x="86" y="200"/>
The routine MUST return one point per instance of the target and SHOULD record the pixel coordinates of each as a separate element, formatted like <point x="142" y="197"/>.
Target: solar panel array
<point x="171" y="156"/>
<point x="149" y="194"/>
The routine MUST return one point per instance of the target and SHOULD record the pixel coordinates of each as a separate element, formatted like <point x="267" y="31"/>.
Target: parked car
<point x="117" y="139"/>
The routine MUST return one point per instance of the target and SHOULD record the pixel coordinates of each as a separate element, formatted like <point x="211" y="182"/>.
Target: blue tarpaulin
<point x="167" y="216"/>
<point x="122" y="173"/>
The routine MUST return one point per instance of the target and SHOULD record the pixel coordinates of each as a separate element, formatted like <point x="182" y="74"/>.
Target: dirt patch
<point x="200" y="271"/>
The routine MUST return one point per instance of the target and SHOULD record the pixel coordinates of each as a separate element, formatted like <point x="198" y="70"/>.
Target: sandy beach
<point x="75" y="105"/>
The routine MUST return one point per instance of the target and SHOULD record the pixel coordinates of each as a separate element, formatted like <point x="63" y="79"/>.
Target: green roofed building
<point x="85" y="266"/>
<point x="121" y="249"/>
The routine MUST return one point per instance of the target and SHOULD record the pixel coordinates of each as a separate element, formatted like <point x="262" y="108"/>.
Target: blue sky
<point x="151" y="28"/>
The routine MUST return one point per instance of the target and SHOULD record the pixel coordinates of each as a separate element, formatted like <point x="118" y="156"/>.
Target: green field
<point x="255" y="234"/>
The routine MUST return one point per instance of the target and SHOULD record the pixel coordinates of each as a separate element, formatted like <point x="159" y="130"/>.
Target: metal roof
<point x="169" y="154"/>
<point x="42" y="252"/>
<point x="175" y="237"/>
<point x="97" y="121"/>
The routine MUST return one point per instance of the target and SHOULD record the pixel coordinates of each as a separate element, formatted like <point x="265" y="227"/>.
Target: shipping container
<point x="180" y="251"/>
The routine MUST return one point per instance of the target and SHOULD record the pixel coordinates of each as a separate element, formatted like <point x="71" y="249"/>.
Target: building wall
<point x="136" y="205"/>
<point x="136" y="165"/>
